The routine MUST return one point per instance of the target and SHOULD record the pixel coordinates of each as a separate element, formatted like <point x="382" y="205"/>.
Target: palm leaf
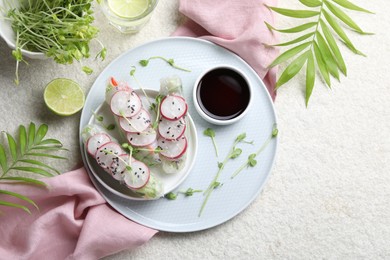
<point x="310" y="77"/>
<point x="321" y="64"/>
<point x="351" y="6"/>
<point x="311" y="3"/>
<point x="3" y="159"/>
<point x="46" y="155"/>
<point x="12" y="147"/>
<point x="14" y="205"/>
<point x="343" y="16"/>
<point x="327" y="56"/>
<point x="334" y="47"/>
<point x="294" y="13"/>
<point x="323" y="51"/>
<point x="25" y="180"/>
<point x="51" y="142"/>
<point x="22" y="139"/>
<point x="296" y="29"/>
<point x="299" y="39"/>
<point x="33" y="170"/>
<point x="336" y="27"/>
<point x="31" y="135"/>
<point x="38" y="163"/>
<point x="41" y="133"/>
<point x="289" y="53"/>
<point x="28" y="142"/>
<point x="292" y="69"/>
<point x="19" y="196"/>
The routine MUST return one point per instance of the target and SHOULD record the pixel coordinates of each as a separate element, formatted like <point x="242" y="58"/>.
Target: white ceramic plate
<point x="181" y="215"/>
<point x="8" y="34"/>
<point x="169" y="181"/>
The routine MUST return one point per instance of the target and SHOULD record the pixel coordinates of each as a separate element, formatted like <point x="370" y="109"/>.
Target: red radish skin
<point x="172" y="130"/>
<point x="173" y="107"/>
<point x="125" y="103"/>
<point x="137" y="123"/>
<point x="96" y="141"/>
<point x="118" y="167"/>
<point x="144" y="138"/>
<point x="173" y="149"/>
<point x="114" y="87"/>
<point x="141" y="174"/>
<point x="108" y="153"/>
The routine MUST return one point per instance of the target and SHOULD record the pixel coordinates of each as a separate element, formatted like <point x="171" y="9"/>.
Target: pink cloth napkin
<point x="237" y="25"/>
<point x="73" y="222"/>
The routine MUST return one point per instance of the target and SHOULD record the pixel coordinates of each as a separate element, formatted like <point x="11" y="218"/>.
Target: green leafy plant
<point x="251" y="161"/>
<point x="211" y="133"/>
<point x="233" y="153"/>
<point x="170" y="61"/>
<point x="21" y="156"/>
<point x="317" y="45"/>
<point x="61" y="29"/>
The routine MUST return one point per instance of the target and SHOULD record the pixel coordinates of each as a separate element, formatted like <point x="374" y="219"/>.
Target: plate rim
<point x="274" y="115"/>
<point x="183" y="176"/>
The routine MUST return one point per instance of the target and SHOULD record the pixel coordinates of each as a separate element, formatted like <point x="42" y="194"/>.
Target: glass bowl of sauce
<point x="222" y="95"/>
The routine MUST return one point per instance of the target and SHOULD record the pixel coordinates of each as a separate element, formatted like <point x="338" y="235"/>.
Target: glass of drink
<point x="128" y="16"/>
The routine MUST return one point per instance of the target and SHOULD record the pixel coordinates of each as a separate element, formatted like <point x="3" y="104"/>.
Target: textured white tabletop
<point x="329" y="193"/>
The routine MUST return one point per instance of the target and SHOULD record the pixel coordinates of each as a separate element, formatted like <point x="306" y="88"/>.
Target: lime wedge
<point x="128" y="8"/>
<point x="64" y="96"/>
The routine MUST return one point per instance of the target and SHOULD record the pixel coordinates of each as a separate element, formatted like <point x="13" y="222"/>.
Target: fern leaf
<point x="327" y="56"/>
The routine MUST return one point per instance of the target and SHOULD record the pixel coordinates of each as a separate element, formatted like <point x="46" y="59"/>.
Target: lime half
<point x="128" y="8"/>
<point x="64" y="97"/>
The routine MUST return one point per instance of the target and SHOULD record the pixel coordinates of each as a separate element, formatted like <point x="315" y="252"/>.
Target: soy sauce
<point x="223" y="94"/>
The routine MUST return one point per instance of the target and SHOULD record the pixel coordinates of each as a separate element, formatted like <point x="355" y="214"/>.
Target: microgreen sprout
<point x="156" y="108"/>
<point x="87" y="70"/>
<point x="132" y="74"/>
<point x="62" y="30"/>
<point x="234" y="152"/>
<point x="211" y="133"/>
<point x="170" y="196"/>
<point x="187" y="193"/>
<point x="100" y="119"/>
<point x="171" y="62"/>
<point x="251" y="161"/>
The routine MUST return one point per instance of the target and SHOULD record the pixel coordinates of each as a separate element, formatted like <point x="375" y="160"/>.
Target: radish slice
<point x="113" y="87"/>
<point x="138" y="176"/>
<point x="136" y="123"/>
<point x="172" y="149"/>
<point x="171" y="130"/>
<point x="96" y="141"/>
<point x="107" y="154"/>
<point x="143" y="138"/>
<point x="118" y="167"/>
<point x="173" y="107"/>
<point x="125" y="103"/>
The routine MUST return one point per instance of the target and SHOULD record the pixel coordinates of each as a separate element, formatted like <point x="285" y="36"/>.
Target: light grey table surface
<point x="328" y="195"/>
